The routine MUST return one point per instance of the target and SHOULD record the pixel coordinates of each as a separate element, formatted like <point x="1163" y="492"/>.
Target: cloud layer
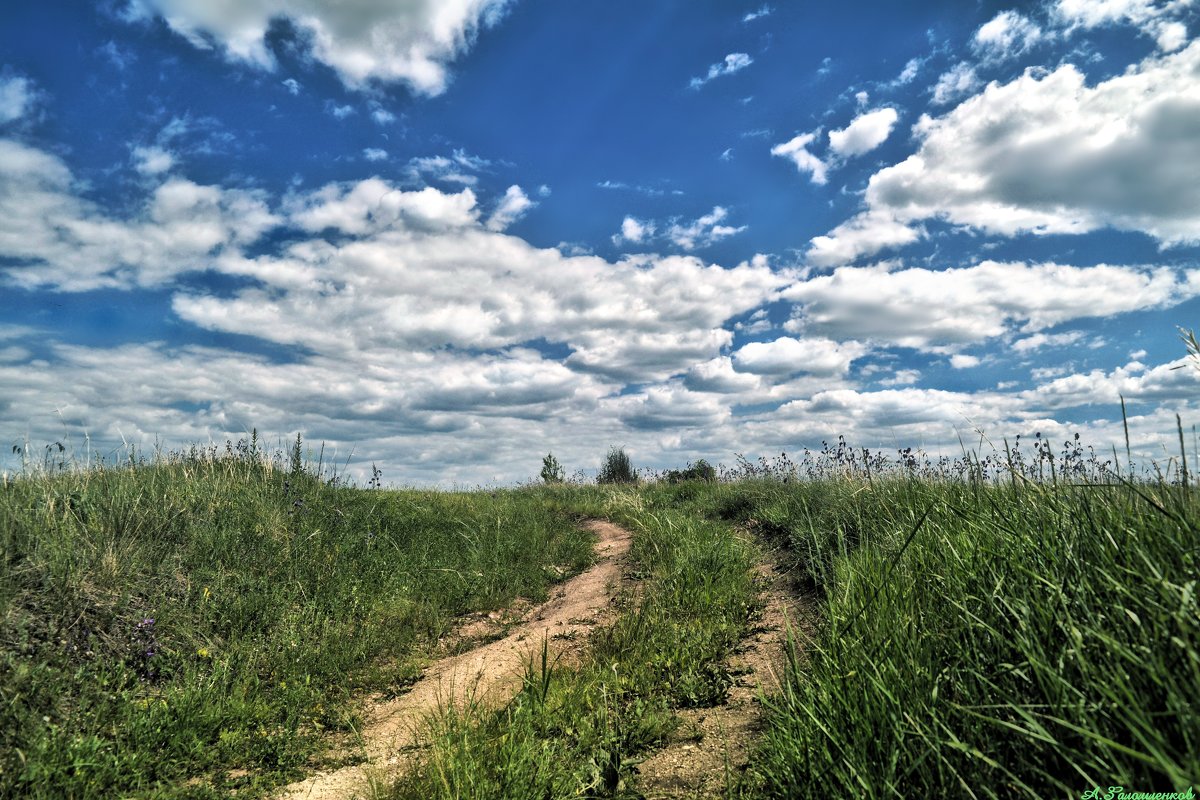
<point x="371" y="40"/>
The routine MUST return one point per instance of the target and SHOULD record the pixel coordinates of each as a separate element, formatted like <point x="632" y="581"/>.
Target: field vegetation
<point x="201" y="621"/>
<point x="1018" y="624"/>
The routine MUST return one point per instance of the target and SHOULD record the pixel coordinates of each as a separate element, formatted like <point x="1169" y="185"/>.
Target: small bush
<point x="552" y="471"/>
<point x="699" y="471"/>
<point x="617" y="468"/>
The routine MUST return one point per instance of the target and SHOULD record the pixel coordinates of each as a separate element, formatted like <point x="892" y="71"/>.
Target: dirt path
<point x="490" y="673"/>
<point x="713" y="745"/>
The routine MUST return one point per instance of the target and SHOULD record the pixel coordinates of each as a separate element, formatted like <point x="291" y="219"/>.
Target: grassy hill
<point x="1013" y="627"/>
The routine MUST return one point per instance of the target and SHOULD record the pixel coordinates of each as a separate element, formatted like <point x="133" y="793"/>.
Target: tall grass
<point x="985" y="639"/>
<point x="194" y="624"/>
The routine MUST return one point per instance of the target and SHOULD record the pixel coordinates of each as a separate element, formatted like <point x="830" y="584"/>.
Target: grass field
<point x="164" y="624"/>
<point x="1006" y="627"/>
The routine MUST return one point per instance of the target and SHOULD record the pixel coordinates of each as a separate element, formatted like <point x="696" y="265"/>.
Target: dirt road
<point x="490" y="673"/>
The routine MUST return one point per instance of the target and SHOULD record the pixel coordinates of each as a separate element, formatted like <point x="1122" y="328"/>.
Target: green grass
<point x="1035" y="636"/>
<point x="581" y="732"/>
<point x="1029" y="641"/>
<point x="165" y="623"/>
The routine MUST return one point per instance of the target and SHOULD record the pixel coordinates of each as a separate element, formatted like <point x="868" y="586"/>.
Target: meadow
<point x="1022" y="624"/>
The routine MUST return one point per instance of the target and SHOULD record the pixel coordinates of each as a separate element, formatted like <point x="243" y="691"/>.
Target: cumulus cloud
<point x="1007" y="35"/>
<point x="865" y="133"/>
<point x="375" y="154"/>
<point x="514" y="205"/>
<point x="734" y="62"/>
<point x="152" y="160"/>
<point x="364" y="42"/>
<point x="16" y="95"/>
<point x="1173" y="382"/>
<point x="636" y="231"/>
<point x="375" y="205"/>
<point x="422" y="271"/>
<point x="786" y="355"/>
<point x="668" y="406"/>
<point x="53" y="237"/>
<point x="959" y="81"/>
<point x="1047" y="153"/>
<point x="796" y="150"/>
<point x="942" y="310"/>
<point x="964" y="361"/>
<point x="1153" y="19"/>
<point x="718" y="375"/>
<point x="868" y="232"/>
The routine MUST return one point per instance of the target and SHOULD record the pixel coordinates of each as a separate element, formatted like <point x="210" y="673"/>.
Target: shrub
<point x="699" y="471"/>
<point x="552" y="471"/>
<point x="617" y="468"/>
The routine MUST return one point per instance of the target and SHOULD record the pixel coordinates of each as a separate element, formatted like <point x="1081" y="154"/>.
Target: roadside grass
<point x="580" y="732"/>
<point x="199" y="623"/>
<point x="984" y="639"/>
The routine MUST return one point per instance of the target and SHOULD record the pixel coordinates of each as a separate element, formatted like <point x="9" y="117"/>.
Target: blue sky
<point x="449" y="237"/>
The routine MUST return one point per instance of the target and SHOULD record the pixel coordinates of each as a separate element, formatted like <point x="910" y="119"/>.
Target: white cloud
<point x="718" y="375"/>
<point x="635" y="230"/>
<point x="375" y="205"/>
<point x="959" y="81"/>
<point x="16" y="95"/>
<point x="363" y="42"/>
<point x="1007" y="35"/>
<point x="868" y="232"/>
<point x="292" y="85"/>
<point x="704" y="231"/>
<point x="375" y="154"/>
<point x="796" y="149"/>
<point x="765" y="11"/>
<point x="734" y="62"/>
<point x="1153" y="19"/>
<point x="688" y="235"/>
<point x="1031" y="344"/>
<point x="459" y="168"/>
<point x="1046" y="153"/>
<point x="1170" y="36"/>
<point x="55" y="238"/>
<point x="422" y="272"/>
<point x="1163" y="383"/>
<point x="786" y="355"/>
<point x="909" y="73"/>
<point x="152" y="160"/>
<point x="941" y="310"/>
<point x="514" y="205"/>
<point x="669" y="406"/>
<point x="963" y="361"/>
<point x="902" y="377"/>
<point x="865" y="133"/>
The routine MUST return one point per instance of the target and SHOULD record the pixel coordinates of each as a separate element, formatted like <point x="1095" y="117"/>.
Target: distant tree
<point x="552" y="471"/>
<point x="617" y="468"/>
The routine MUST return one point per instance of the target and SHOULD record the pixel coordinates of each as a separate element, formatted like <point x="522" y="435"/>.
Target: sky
<point x="447" y="237"/>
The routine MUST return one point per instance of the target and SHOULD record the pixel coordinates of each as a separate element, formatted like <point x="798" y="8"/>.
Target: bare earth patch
<point x="712" y="745"/>
<point x="489" y="673"/>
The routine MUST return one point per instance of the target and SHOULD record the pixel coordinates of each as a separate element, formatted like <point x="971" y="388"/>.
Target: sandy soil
<point x="712" y="745"/>
<point x="489" y="673"/>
